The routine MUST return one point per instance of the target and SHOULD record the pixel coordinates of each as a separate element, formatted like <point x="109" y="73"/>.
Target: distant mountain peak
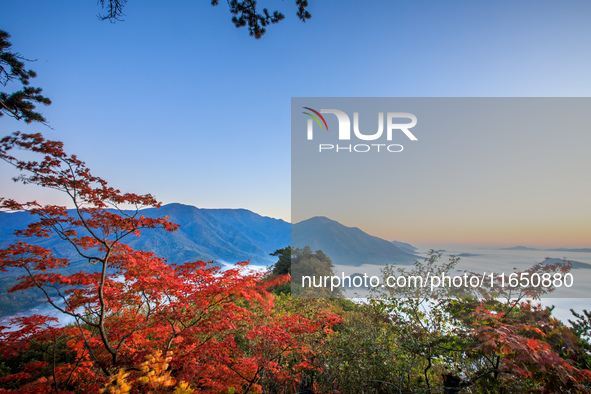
<point x="348" y="246"/>
<point x="319" y="219"/>
<point x="518" y="248"/>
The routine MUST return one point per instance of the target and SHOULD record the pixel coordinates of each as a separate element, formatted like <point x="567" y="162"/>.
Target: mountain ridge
<point x="348" y="246"/>
<point x="220" y="234"/>
<point x="578" y="250"/>
<point x="229" y="235"/>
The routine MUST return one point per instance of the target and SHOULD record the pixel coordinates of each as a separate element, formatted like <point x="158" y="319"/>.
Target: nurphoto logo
<point x="391" y="124"/>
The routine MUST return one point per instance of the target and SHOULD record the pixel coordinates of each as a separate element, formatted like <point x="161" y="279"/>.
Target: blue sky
<point x="177" y="102"/>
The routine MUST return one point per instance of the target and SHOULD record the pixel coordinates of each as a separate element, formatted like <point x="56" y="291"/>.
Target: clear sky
<point x="177" y="102"/>
<point x="495" y="171"/>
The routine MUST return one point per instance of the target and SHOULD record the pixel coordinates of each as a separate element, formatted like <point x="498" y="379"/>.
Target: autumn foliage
<point x="140" y="325"/>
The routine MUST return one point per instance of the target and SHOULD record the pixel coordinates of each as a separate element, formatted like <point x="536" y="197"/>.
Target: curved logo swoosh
<point x="315" y="118"/>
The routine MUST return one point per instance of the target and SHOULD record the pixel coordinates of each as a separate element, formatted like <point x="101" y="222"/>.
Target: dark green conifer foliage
<point x="20" y="104"/>
<point x="582" y="329"/>
<point x="283" y="265"/>
<point x="244" y="13"/>
<point x="582" y="325"/>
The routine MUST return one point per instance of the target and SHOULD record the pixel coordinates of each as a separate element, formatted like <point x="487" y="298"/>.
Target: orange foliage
<point x="140" y="324"/>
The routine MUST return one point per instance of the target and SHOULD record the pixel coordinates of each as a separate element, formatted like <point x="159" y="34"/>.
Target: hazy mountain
<point x="223" y="235"/>
<point x="229" y="235"/>
<point x="408" y="248"/>
<point x="575" y="264"/>
<point x="518" y="248"/>
<point x="347" y="245"/>
<point x="581" y="250"/>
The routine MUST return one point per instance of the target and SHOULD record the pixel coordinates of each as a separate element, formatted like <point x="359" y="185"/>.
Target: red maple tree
<point x="139" y="323"/>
